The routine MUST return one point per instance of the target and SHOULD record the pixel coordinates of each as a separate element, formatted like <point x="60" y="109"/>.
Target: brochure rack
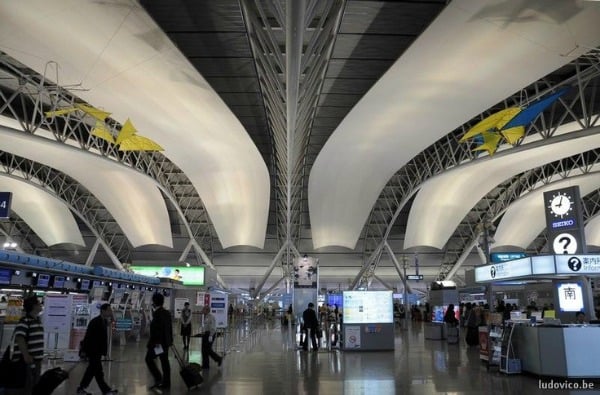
<point x="509" y="363"/>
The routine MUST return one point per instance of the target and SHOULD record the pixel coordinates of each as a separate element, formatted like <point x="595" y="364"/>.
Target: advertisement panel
<point x="188" y="275"/>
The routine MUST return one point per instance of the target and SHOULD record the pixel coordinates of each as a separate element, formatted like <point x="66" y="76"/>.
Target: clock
<point x="561" y="205"/>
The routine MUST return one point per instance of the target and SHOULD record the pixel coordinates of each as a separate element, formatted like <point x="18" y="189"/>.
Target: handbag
<point x="13" y="374"/>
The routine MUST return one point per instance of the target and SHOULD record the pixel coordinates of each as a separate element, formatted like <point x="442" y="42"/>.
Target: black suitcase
<point x="191" y="375"/>
<point x="190" y="372"/>
<point x="49" y="381"/>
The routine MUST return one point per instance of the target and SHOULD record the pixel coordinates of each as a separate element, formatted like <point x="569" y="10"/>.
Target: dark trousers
<point x="94" y="370"/>
<point x="165" y="377"/>
<point x="32" y="376"/>
<point x="313" y="338"/>
<point x="207" y="351"/>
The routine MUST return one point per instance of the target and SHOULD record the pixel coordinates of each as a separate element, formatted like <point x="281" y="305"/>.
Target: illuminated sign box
<point x="577" y="264"/>
<point x="570" y="296"/>
<point x="368" y="307"/>
<point x="188" y="275"/>
<point x="5" y="199"/>
<point x="543" y="264"/>
<point x="497" y="257"/>
<point x="504" y="270"/>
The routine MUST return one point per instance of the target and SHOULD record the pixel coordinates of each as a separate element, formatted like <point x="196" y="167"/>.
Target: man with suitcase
<point x="94" y="346"/>
<point x="161" y="338"/>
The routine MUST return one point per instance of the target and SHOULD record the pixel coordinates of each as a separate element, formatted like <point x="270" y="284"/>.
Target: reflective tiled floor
<point x="267" y="362"/>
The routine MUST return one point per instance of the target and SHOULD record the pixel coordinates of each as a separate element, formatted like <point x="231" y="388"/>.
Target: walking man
<point x="311" y="325"/>
<point x="94" y="346"/>
<point x="209" y="330"/>
<point x="161" y="338"/>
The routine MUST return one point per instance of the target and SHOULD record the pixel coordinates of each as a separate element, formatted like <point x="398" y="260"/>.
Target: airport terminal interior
<point x="267" y="361"/>
<point x="386" y="161"/>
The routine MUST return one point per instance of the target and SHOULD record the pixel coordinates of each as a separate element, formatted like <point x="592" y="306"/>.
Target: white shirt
<point x="210" y="324"/>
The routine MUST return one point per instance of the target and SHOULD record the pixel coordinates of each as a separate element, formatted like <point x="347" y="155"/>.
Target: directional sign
<point x="414" y="276"/>
<point x="5" y="198"/>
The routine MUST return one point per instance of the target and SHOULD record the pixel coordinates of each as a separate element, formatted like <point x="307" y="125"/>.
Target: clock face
<point x="561" y="205"/>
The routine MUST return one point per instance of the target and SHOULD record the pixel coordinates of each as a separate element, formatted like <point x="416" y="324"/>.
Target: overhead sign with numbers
<point x="5" y="198"/>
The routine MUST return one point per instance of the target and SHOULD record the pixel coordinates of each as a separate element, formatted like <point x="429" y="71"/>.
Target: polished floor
<point x="266" y="361"/>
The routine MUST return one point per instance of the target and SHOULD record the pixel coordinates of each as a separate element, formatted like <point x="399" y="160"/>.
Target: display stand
<point x="495" y="335"/>
<point x="509" y="363"/>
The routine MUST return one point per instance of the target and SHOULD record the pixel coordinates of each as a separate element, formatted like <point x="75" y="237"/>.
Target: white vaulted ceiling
<point x="122" y="62"/>
<point x="525" y="219"/>
<point x="382" y="87"/>
<point x="446" y="199"/>
<point x="50" y="218"/>
<point x="463" y="63"/>
<point x="132" y="198"/>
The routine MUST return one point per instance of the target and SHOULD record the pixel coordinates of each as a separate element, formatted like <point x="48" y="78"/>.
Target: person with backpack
<point x="29" y="344"/>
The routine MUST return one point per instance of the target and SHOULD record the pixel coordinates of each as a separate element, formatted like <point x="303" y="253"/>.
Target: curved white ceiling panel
<point x="459" y="67"/>
<point x="592" y="231"/>
<point x="45" y="214"/>
<point x="129" y="67"/>
<point x="525" y="219"/>
<point x="444" y="201"/>
<point x="132" y="198"/>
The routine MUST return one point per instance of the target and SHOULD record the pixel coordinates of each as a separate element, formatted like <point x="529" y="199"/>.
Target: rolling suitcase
<point x="190" y="372"/>
<point x="49" y="381"/>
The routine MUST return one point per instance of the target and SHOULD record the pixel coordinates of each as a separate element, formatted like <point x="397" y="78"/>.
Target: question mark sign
<point x="565" y="241"/>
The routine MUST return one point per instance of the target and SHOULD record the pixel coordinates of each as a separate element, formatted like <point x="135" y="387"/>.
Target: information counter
<point x="561" y="351"/>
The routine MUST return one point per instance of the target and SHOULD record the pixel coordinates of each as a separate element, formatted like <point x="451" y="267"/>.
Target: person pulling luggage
<point x="161" y="338"/>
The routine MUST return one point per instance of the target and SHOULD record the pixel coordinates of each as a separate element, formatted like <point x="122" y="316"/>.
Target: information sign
<point x="5" y="199"/>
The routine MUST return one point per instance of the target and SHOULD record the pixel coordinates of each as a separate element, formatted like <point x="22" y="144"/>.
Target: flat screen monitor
<point x="85" y="284"/>
<point x="570" y="296"/>
<point x="193" y="275"/>
<point x="335" y="299"/>
<point x="43" y="280"/>
<point x="59" y="281"/>
<point x="438" y="313"/>
<point x="5" y="276"/>
<point x="368" y="307"/>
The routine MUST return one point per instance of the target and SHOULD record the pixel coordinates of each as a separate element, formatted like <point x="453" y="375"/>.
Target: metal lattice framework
<point x="75" y="196"/>
<point x="26" y="95"/>
<point x="493" y="205"/>
<point x="15" y="229"/>
<point x="582" y="74"/>
<point x="292" y="42"/>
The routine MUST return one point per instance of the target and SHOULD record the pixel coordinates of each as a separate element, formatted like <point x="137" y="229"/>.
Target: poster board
<point x="57" y="320"/>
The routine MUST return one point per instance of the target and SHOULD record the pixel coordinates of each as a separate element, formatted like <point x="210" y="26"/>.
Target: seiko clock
<point x="561" y="205"/>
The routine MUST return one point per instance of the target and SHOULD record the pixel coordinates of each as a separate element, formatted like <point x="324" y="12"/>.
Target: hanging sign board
<point x="504" y="270"/>
<point x="5" y="199"/>
<point x="577" y="264"/>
